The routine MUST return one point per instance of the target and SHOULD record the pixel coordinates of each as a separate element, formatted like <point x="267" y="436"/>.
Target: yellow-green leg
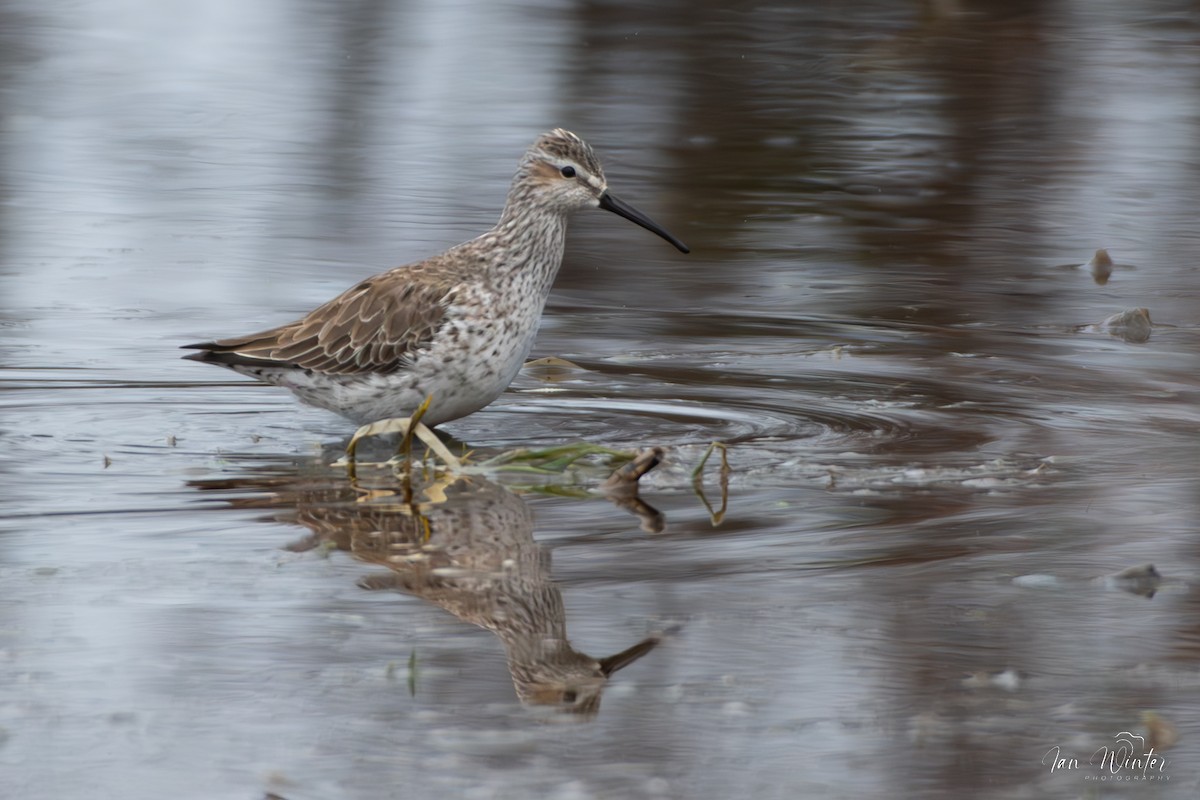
<point x="406" y="427"/>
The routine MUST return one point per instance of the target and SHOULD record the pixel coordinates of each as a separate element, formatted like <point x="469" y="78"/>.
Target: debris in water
<point x="1101" y="266"/>
<point x="626" y="476"/>
<point x="1007" y="679"/>
<point x="1160" y="734"/>
<point x="1143" y="580"/>
<point x="1132" y="325"/>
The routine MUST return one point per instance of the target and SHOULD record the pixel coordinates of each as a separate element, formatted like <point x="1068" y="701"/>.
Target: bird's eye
<point x="568" y="172"/>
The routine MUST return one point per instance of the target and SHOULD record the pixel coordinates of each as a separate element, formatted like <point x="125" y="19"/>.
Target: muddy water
<point x="941" y="453"/>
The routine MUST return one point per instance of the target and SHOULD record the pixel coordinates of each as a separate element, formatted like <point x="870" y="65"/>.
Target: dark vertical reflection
<point x="893" y="130"/>
<point x="18" y="52"/>
<point x="1177" y="243"/>
<point x="357" y="36"/>
<point x="971" y="213"/>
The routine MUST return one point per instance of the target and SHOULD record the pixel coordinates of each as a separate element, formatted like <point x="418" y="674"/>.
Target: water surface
<point x="940" y="454"/>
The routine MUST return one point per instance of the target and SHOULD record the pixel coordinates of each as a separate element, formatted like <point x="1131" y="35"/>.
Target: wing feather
<point x="372" y="327"/>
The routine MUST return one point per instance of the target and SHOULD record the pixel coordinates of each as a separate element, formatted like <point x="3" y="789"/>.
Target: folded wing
<point x="374" y="327"/>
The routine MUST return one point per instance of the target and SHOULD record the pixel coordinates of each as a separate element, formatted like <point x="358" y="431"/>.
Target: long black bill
<point x="623" y="209"/>
<point x="626" y="657"/>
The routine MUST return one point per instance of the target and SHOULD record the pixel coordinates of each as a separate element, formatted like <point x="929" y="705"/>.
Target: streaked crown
<point x="563" y="146"/>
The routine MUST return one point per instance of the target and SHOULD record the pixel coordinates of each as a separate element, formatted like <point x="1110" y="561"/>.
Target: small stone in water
<point x="1132" y="325"/>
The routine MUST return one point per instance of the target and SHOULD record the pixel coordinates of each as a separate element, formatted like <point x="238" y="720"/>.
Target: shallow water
<point x="940" y="453"/>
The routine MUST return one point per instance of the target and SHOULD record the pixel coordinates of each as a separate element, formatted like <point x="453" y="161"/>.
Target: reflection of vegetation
<point x="580" y="463"/>
<point x="557" y="460"/>
<point x="571" y="470"/>
<point x="717" y="516"/>
<point x="579" y="459"/>
<point x="579" y="470"/>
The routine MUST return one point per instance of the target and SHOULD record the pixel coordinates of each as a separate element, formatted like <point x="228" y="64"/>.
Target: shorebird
<point x="450" y="332"/>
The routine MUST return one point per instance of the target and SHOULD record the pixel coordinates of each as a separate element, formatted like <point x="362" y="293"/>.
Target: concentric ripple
<point x="790" y="417"/>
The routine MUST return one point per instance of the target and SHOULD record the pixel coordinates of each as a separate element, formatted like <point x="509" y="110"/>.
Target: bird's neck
<point x="529" y="240"/>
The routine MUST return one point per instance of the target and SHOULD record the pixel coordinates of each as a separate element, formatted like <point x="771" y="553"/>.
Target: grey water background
<point x="938" y="449"/>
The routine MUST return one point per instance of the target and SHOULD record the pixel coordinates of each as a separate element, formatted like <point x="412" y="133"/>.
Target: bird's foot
<point x="407" y="427"/>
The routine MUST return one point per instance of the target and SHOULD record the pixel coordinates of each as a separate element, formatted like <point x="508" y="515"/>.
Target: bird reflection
<point x="465" y="545"/>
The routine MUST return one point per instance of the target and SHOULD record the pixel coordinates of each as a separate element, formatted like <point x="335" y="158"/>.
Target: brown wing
<point x="370" y="328"/>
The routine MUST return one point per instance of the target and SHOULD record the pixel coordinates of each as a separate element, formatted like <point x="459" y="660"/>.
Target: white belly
<point x="469" y="364"/>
